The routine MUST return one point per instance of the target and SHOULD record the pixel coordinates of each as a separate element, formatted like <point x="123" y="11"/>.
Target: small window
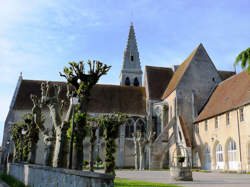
<point x="129" y="130"/>
<point x="241" y="114"/>
<point x="197" y="129"/>
<point x="136" y="82"/>
<point x="127" y="82"/>
<point x="228" y="118"/>
<point x="132" y="58"/>
<point x="206" y="129"/>
<point x="216" y="123"/>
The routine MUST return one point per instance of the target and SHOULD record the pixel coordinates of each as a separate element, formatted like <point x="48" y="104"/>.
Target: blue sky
<point x="39" y="37"/>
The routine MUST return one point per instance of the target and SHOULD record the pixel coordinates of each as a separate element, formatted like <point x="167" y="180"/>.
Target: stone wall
<point x="36" y="175"/>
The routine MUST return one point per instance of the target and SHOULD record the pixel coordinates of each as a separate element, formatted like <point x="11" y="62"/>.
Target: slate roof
<point x="103" y="99"/>
<point x="226" y="74"/>
<point x="158" y="79"/>
<point x="178" y="74"/>
<point x="229" y="95"/>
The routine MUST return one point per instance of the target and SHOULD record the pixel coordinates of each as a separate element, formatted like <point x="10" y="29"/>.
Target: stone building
<point x="174" y="102"/>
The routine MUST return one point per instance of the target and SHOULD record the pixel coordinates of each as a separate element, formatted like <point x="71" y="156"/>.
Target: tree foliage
<point x="111" y="124"/>
<point x="244" y="58"/>
<point x="82" y="82"/>
<point x="23" y="143"/>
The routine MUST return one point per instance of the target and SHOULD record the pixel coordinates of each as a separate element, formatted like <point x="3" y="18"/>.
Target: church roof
<point x="226" y="74"/>
<point x="103" y="99"/>
<point x="229" y="95"/>
<point x="158" y="79"/>
<point x="179" y="73"/>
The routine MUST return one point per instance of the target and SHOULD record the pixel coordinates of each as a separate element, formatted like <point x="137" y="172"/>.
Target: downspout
<point x="239" y="139"/>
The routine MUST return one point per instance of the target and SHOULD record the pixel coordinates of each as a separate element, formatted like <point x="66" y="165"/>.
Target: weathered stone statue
<point x="55" y="105"/>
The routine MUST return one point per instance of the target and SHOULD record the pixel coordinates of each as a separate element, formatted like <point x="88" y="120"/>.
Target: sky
<point x="39" y="37"/>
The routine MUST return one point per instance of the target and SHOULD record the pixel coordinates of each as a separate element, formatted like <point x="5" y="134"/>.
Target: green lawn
<point x="125" y="182"/>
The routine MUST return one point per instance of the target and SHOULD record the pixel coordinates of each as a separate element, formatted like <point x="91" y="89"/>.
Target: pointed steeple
<point x="131" y="73"/>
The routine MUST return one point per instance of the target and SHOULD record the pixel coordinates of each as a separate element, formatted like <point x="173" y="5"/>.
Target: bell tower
<point x="131" y="73"/>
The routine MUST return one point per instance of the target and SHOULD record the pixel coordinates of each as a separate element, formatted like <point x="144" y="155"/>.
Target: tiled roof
<point x="226" y="74"/>
<point x="103" y="99"/>
<point x="229" y="94"/>
<point x="158" y="79"/>
<point x="178" y="74"/>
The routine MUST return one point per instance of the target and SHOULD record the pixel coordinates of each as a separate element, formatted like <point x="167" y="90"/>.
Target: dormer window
<point x="132" y="58"/>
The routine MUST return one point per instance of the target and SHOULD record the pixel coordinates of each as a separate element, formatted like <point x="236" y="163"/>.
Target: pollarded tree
<point x="244" y="57"/>
<point x="55" y="104"/>
<point x="82" y="82"/>
<point x="111" y="124"/>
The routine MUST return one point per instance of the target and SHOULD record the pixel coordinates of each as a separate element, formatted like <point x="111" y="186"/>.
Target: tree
<point x="82" y="83"/>
<point x="55" y="104"/>
<point x="111" y="124"/>
<point x="244" y="57"/>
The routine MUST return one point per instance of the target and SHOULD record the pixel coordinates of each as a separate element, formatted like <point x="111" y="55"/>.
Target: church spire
<point x="131" y="74"/>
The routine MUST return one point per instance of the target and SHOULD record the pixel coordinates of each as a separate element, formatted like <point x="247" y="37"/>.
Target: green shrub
<point x="11" y="180"/>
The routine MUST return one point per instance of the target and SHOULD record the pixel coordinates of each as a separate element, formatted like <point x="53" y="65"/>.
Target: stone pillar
<point x="121" y="146"/>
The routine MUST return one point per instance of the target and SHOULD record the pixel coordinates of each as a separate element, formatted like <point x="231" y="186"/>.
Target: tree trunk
<point x="61" y="147"/>
<point x="78" y="157"/>
<point x="32" y="154"/>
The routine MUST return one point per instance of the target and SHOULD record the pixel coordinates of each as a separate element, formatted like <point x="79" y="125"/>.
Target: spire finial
<point x="131" y="16"/>
<point x="21" y="75"/>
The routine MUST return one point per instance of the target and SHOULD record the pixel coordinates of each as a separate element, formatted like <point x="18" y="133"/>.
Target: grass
<point x="11" y="181"/>
<point x="134" y="183"/>
<point x="200" y="170"/>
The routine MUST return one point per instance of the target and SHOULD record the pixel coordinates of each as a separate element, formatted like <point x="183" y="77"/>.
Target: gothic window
<point x="219" y="153"/>
<point x="127" y="82"/>
<point x="132" y="58"/>
<point x="129" y="130"/>
<point x="136" y="82"/>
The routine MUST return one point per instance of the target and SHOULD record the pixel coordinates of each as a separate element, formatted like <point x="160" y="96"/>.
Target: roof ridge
<point x="158" y="67"/>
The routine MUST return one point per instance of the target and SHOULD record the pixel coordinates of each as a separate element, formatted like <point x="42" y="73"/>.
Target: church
<point x="191" y="104"/>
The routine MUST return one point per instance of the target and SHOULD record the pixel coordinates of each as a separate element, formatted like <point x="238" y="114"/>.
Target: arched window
<point x="127" y="82"/>
<point x="207" y="158"/>
<point x="219" y="157"/>
<point x="136" y="82"/>
<point x="196" y="159"/>
<point x="129" y="130"/>
<point x="232" y="155"/>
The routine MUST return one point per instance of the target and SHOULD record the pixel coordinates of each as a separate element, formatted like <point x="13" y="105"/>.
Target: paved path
<point x="200" y="178"/>
<point x="3" y="184"/>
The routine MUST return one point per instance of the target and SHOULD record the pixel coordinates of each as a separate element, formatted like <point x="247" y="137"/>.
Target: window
<point x="216" y="122"/>
<point x="127" y="82"/>
<point x="219" y="153"/>
<point x="228" y="118"/>
<point x="206" y="126"/>
<point x="241" y="114"/>
<point x="129" y="130"/>
<point x="132" y="58"/>
<point x="232" y="155"/>
<point x="136" y="82"/>
<point x="197" y="129"/>
<point x="196" y="159"/>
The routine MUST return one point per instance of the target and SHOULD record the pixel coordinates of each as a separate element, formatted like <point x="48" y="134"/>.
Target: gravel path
<point x="200" y="178"/>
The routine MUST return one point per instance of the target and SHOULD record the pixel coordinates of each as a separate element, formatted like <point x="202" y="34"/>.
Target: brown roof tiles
<point x="158" y="79"/>
<point x="229" y="94"/>
<point x="103" y="99"/>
